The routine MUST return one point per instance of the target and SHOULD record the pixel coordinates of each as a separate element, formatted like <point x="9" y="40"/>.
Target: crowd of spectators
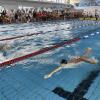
<point x="30" y="15"/>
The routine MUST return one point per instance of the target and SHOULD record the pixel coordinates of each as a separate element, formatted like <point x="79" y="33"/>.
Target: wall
<point x="92" y="10"/>
<point x="74" y="1"/>
<point x="11" y="4"/>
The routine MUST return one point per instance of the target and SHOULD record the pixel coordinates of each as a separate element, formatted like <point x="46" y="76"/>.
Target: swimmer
<point x="73" y="61"/>
<point x="4" y="47"/>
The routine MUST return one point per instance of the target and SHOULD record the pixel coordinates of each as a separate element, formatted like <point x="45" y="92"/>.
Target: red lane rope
<point x="16" y="37"/>
<point x="43" y="50"/>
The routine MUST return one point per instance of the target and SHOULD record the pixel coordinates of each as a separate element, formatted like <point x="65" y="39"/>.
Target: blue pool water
<point x="25" y="80"/>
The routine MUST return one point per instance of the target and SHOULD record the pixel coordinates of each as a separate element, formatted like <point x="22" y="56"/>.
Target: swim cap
<point x="63" y="61"/>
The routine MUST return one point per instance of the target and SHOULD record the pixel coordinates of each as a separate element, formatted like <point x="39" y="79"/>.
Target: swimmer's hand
<point x="47" y="76"/>
<point x="89" y="48"/>
<point x="95" y="61"/>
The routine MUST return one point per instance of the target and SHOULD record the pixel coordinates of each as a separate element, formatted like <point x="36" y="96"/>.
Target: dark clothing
<point x="16" y="16"/>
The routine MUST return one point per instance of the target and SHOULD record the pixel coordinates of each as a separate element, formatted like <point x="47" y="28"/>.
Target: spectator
<point x="30" y="15"/>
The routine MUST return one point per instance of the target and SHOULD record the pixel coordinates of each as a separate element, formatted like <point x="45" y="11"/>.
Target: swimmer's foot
<point x="47" y="76"/>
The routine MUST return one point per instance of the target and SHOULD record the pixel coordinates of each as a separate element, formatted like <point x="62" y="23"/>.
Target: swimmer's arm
<point x="87" y="52"/>
<point x="53" y="72"/>
<point x="92" y="61"/>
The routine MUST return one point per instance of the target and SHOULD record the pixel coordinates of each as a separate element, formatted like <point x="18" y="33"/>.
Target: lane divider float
<point x="21" y="36"/>
<point x="40" y="32"/>
<point x="43" y="50"/>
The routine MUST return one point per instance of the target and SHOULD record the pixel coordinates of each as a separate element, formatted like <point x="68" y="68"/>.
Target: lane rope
<point x="21" y="36"/>
<point x="16" y="37"/>
<point x="43" y="50"/>
<point x="28" y="35"/>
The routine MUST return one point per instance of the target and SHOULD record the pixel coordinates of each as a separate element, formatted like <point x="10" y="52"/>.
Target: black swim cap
<point x="63" y="61"/>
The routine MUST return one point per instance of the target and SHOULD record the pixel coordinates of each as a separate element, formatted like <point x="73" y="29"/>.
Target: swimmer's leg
<point x="53" y="72"/>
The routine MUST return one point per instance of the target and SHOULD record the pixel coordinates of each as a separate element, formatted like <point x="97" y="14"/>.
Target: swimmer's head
<point x="63" y="61"/>
<point x="6" y="46"/>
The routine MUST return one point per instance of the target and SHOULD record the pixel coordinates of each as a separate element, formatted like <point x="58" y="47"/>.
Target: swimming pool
<point x="25" y="80"/>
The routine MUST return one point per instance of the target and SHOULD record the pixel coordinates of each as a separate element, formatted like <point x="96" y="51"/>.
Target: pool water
<point x="25" y="80"/>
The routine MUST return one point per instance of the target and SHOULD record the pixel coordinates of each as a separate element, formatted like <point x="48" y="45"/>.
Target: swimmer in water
<point x="4" y="48"/>
<point x="75" y="60"/>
